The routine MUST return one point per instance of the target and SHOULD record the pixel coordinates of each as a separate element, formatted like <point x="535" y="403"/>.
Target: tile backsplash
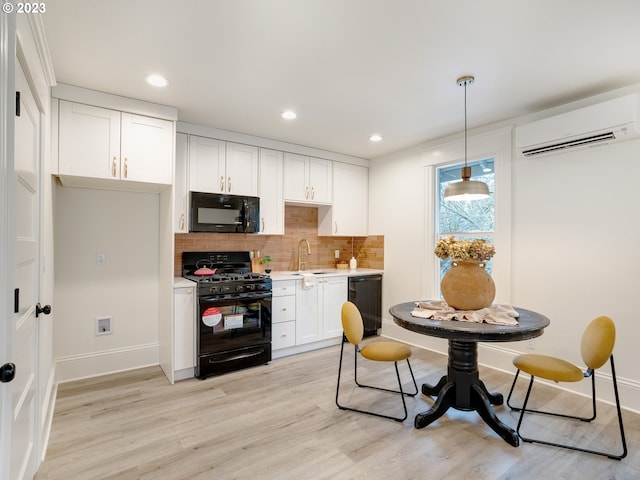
<point x="300" y="222"/>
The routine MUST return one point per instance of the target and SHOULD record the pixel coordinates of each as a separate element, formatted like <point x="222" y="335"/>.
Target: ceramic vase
<point x="467" y="285"/>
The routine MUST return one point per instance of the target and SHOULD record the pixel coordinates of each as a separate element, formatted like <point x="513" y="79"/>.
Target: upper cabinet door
<point x="307" y="179"/>
<point x="241" y="169"/>
<point x="271" y="200"/>
<point x="180" y="187"/>
<point x="320" y="180"/>
<point x="146" y="149"/>
<point x="206" y="165"/>
<point x="88" y="141"/>
<point x="296" y="177"/>
<point x="350" y="200"/>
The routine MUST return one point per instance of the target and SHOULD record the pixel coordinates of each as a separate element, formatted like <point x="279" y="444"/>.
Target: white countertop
<point x="180" y="282"/>
<point x="325" y="272"/>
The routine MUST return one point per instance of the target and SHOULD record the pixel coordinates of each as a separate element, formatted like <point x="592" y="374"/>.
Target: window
<point x="489" y="219"/>
<point x="473" y="219"/>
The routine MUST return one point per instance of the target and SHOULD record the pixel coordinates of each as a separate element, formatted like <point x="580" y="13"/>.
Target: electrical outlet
<point x="101" y="258"/>
<point x="531" y="345"/>
<point x="337" y="253"/>
<point x="103" y="325"/>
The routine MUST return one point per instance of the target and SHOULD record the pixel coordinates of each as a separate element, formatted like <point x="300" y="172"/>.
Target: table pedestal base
<point x="462" y="389"/>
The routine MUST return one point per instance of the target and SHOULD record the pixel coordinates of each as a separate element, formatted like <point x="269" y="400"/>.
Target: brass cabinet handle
<point x="306" y="193"/>
<point x="262" y="228"/>
<point x="221" y="183"/>
<point x="336" y="231"/>
<point x="126" y="167"/>
<point x="229" y="184"/>
<point x="182" y="221"/>
<point x="313" y="193"/>
<point x="113" y="168"/>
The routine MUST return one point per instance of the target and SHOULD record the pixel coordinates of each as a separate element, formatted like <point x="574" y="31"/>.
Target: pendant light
<point x="466" y="189"/>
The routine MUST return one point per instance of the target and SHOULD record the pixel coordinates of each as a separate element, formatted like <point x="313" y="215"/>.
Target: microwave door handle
<point x="245" y="215"/>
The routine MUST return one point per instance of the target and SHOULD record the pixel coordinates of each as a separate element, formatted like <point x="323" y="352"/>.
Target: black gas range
<point x="234" y="311"/>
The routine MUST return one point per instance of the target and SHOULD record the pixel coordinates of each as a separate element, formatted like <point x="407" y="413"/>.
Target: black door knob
<point x="7" y="372"/>
<point x="46" y="310"/>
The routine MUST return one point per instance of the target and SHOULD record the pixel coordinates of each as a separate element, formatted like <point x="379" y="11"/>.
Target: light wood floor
<point x="280" y="421"/>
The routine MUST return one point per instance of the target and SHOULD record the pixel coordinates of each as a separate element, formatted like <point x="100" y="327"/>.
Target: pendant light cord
<point x="465" y="124"/>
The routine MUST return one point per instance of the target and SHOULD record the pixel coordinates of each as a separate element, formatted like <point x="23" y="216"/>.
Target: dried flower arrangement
<point x="478" y="249"/>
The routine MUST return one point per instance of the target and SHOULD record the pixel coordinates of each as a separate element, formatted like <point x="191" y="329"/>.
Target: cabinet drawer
<point x="284" y="308"/>
<point x="283" y="287"/>
<point x="283" y="335"/>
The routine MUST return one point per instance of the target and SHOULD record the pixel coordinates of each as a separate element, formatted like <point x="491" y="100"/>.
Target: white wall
<point x="125" y="227"/>
<point x="574" y="236"/>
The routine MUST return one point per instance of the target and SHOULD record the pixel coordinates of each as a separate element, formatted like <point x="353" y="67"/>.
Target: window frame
<point x="496" y="144"/>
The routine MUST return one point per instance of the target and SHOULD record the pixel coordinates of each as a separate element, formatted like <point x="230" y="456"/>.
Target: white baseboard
<point x="184" y="374"/>
<point x="497" y="357"/>
<point x="76" y="367"/>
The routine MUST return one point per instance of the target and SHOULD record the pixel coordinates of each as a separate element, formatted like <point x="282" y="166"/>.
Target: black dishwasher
<point x="365" y="291"/>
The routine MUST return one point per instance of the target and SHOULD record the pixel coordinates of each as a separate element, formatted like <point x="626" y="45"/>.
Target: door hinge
<point x="17" y="104"/>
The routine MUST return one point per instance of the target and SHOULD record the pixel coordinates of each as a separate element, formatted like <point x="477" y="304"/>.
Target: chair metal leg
<point x="524" y="409"/>
<point x="557" y="414"/>
<point x="399" y="391"/>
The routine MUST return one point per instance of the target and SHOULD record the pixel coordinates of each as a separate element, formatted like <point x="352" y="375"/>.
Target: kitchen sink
<point x="315" y="272"/>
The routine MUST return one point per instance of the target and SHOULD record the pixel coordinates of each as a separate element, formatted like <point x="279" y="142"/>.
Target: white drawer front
<point x="283" y="335"/>
<point x="283" y="308"/>
<point x="283" y="287"/>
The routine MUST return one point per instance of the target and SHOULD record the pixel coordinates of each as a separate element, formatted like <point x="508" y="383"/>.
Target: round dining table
<point x="461" y="387"/>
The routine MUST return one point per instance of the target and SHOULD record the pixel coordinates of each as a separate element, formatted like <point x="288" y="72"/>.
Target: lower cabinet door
<point x="283" y="335"/>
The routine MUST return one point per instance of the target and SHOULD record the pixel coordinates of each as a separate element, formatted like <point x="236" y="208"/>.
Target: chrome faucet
<point x="300" y="262"/>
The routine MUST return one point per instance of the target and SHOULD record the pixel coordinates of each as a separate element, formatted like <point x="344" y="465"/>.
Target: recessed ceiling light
<point x="157" y="81"/>
<point x="289" y="114"/>
<point x="375" y="137"/>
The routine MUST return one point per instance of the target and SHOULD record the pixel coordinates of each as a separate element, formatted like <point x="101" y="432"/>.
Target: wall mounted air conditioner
<point x="610" y="121"/>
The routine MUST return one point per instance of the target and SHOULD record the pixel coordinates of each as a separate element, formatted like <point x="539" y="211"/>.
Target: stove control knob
<point x="239" y="288"/>
<point x="251" y="286"/>
<point x="214" y="290"/>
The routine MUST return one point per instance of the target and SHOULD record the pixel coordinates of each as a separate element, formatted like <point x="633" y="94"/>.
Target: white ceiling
<point x="349" y="68"/>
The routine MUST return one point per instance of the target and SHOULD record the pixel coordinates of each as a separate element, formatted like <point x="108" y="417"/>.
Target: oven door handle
<point x="239" y="356"/>
<point x="255" y="296"/>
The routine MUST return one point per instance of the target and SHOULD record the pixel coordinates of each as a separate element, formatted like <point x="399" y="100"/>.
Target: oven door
<point x="233" y="334"/>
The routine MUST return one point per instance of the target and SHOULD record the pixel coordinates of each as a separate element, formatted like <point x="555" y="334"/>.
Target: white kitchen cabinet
<point x="318" y="309"/>
<point x="335" y="292"/>
<point x="283" y="314"/>
<point x="180" y="186"/>
<point x="242" y="169"/>
<point x="216" y="166"/>
<point x="307" y="179"/>
<point x="349" y="213"/>
<point x="100" y="143"/>
<point x="283" y="335"/>
<point x="206" y="164"/>
<point x="270" y="192"/>
<point x="308" y="316"/>
<point x="184" y="320"/>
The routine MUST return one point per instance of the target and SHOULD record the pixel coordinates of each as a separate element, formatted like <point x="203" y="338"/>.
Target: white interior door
<point x="24" y="346"/>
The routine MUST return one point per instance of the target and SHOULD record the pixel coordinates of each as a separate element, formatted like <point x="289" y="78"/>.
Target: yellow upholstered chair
<point x="597" y="344"/>
<point x="383" y="351"/>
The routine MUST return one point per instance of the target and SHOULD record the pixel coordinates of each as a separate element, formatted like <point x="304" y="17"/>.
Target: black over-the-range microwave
<point x="213" y="212"/>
